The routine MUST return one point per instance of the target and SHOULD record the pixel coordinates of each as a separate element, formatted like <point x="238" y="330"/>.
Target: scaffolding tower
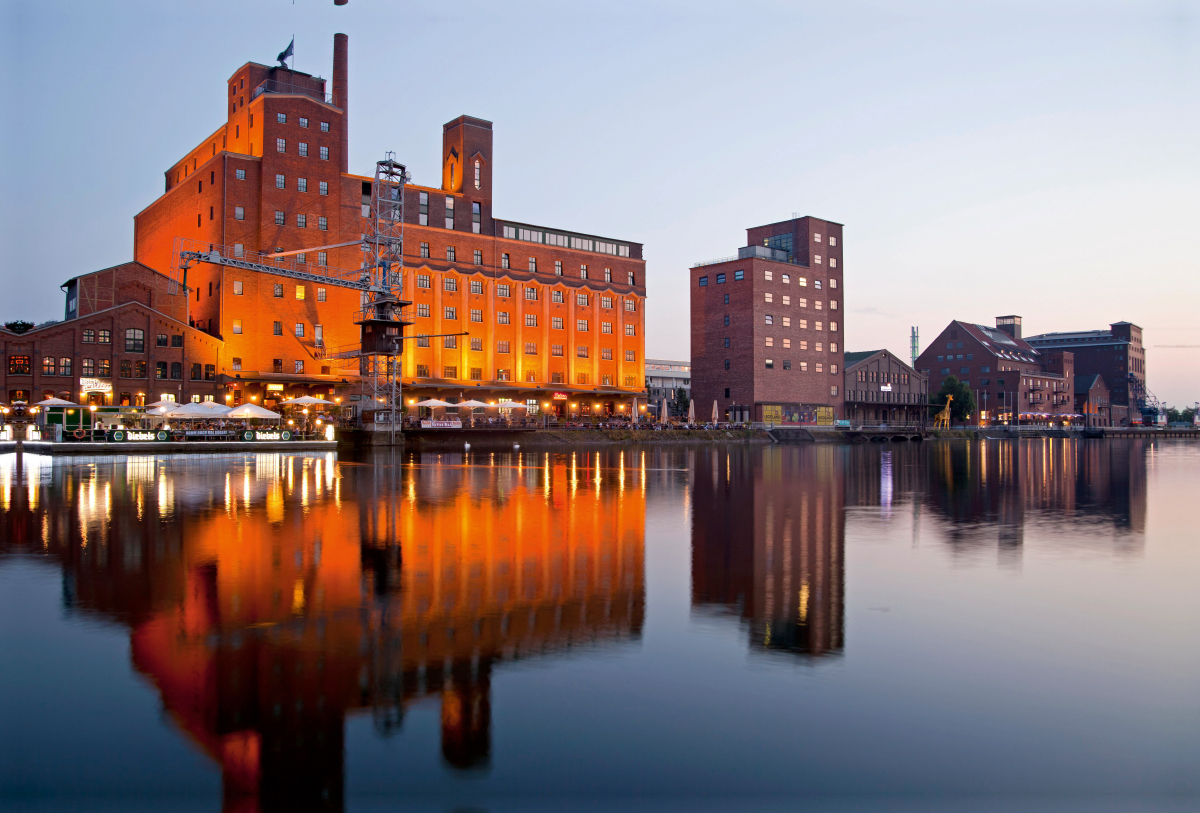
<point x="381" y="318"/>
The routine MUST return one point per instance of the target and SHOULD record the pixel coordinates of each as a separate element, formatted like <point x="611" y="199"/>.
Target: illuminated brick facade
<point x="547" y="310"/>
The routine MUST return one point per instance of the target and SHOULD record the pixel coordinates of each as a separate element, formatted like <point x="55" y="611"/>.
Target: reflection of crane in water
<point x="267" y="614"/>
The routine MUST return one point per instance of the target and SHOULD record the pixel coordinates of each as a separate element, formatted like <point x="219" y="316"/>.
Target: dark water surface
<point x="951" y="625"/>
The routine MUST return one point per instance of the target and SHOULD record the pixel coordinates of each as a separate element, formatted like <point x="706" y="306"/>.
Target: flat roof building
<point x="767" y="326"/>
<point x="1116" y="354"/>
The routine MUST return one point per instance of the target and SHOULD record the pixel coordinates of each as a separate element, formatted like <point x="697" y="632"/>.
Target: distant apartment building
<point x="1011" y="380"/>
<point x="1116" y="354"/>
<point x="767" y="326"/>
<point x="664" y="379"/>
<point x="882" y="389"/>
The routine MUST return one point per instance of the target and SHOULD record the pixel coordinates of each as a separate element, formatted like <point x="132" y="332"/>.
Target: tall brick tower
<point x="767" y="327"/>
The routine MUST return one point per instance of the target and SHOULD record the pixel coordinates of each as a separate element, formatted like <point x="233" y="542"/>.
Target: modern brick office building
<point x="553" y="316"/>
<point x="1011" y="379"/>
<point x="1116" y="354"/>
<point x="767" y="326"/>
<point x="882" y="389"/>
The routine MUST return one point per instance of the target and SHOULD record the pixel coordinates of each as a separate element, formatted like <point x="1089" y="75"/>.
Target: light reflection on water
<point x="510" y="623"/>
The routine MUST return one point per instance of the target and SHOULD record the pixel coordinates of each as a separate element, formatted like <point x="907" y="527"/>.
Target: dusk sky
<point x="1039" y="159"/>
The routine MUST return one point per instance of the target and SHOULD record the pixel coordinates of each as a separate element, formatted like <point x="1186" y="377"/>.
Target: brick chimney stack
<point x="341" y="91"/>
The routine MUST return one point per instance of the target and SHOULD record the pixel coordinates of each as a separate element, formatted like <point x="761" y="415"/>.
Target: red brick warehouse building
<point x="554" y="317"/>
<point x="767" y="326"/>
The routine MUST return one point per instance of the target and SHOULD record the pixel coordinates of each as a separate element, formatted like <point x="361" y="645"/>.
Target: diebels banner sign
<point x="267" y="434"/>
<point x="441" y="424"/>
<point x="138" y="435"/>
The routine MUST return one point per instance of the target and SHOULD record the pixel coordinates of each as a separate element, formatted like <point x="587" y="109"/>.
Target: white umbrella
<point x="692" y="412"/>
<point x="714" y="410"/>
<point x="251" y="411"/>
<point x="167" y="404"/>
<point x="510" y="405"/>
<point x="433" y="402"/>
<point x="662" y="412"/>
<point x="202" y="409"/>
<point x="471" y="403"/>
<point x="305" y="400"/>
<point x="49" y="402"/>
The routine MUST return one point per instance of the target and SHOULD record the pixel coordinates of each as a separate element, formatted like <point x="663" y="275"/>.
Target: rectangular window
<point x="48" y="365"/>
<point x="422" y="341"/>
<point x="279" y="217"/>
<point x="606" y="327"/>
<point x="126" y="368"/>
<point x="720" y="279"/>
<point x="88" y="368"/>
<point x="324" y="127"/>
<point x="606" y="353"/>
<point x="581" y="325"/>
<point x="277" y="328"/>
<point x="299" y="330"/>
<point x="89" y="336"/>
<point x="239" y="213"/>
<point x="770" y="364"/>
<point x="787" y="321"/>
<point x="302" y="148"/>
<point x="450" y="342"/>
<point x="556" y="322"/>
<point x="323" y="187"/>
<point x="423" y="281"/>
<point x="177" y="340"/>
<point x="581" y="300"/>
<point x="556" y="349"/>
<point x="450" y="283"/>
<point x="531" y="293"/>
<point x="817" y="325"/>
<point x="450" y="313"/>
<point x="478" y="257"/>
<point x="161" y="340"/>
<point x="237" y="363"/>
<point x="300" y="292"/>
<point x="299" y="365"/>
<point x="502" y="317"/>
<point x="449" y="372"/>
<point x="281" y="145"/>
<point x="530" y="348"/>
<point x="239" y="174"/>
<point x="583" y="272"/>
<point x="581" y="378"/>
<point x="504" y="261"/>
<point x="502" y="347"/>
<point x="531" y="320"/>
<point x="322" y="258"/>
<point x="476" y="315"/>
<point x="324" y="153"/>
<point x="423" y="309"/>
<point x="450" y="254"/>
<point x="556" y="296"/>
<point x="503" y="290"/>
<point x="323" y="223"/>
<point x="606" y="302"/>
<point x="477" y="344"/>
<point x="503" y="375"/>
<point x="135" y="340"/>
<point x="833" y="326"/>
<point x="769" y="319"/>
<point x="737" y="275"/>
<point x="630" y="330"/>
<point x="237" y="326"/>
<point x="141" y="367"/>
<point x="631" y="355"/>
<point x="104" y="368"/>
<point x="425" y="251"/>
<point x="476" y="373"/>
<point x="581" y="352"/>
<point x="302" y="221"/>
<point x="303" y="121"/>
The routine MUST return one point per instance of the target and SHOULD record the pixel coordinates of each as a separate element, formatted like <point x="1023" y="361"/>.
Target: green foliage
<point x="964" y="399"/>
<point x="18" y="326"/>
<point x="682" y="399"/>
<point x="1180" y="415"/>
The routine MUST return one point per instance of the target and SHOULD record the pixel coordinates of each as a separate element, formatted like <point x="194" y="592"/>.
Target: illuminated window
<point x="320" y="294"/>
<point x="237" y="326"/>
<point x="478" y="181"/>
<point x="300" y="292"/>
<point x="89" y="336"/>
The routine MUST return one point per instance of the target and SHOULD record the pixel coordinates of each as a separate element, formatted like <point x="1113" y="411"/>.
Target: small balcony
<point x="273" y="86"/>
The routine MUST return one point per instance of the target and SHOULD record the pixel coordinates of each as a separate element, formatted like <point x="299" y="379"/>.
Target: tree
<point x="964" y="401"/>
<point x="1180" y="415"/>
<point x="682" y="401"/>
<point x="18" y="326"/>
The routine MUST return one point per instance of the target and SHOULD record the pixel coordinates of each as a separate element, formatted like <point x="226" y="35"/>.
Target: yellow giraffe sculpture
<point x="942" y="420"/>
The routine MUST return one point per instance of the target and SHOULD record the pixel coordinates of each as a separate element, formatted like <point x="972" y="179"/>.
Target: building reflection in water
<point x="768" y="544"/>
<point x="987" y="492"/>
<point x="268" y="598"/>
